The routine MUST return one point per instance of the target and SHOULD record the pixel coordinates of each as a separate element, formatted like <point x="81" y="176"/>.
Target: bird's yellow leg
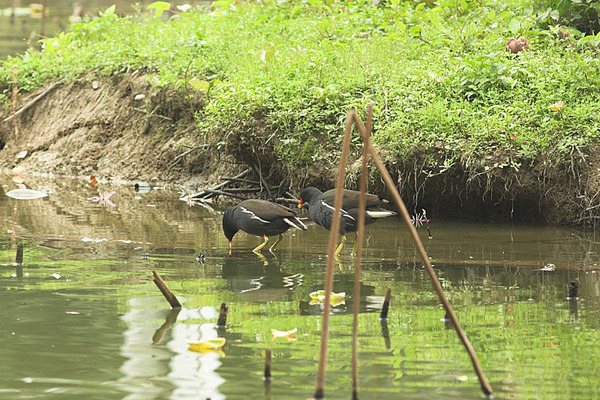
<point x="355" y="245"/>
<point x="275" y="244"/>
<point x="262" y="258"/>
<point x="229" y="255"/>
<point x="341" y="246"/>
<point x="260" y="246"/>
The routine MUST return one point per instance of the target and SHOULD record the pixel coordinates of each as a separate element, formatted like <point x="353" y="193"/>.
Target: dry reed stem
<point x="335" y="226"/>
<point x="362" y="204"/>
<point x="485" y="386"/>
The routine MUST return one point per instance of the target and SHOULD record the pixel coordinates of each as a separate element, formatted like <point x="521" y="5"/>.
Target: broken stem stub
<point x="222" y="321"/>
<point x="173" y="302"/>
<point x="19" y="257"/>
<point x="386" y="305"/>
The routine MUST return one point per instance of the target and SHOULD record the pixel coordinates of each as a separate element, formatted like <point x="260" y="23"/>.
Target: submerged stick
<point x="222" y="321"/>
<point x="166" y="291"/>
<point x="333" y="233"/>
<point x="267" y="375"/>
<point x="383" y="316"/>
<point x="485" y="386"/>
<point x="19" y="256"/>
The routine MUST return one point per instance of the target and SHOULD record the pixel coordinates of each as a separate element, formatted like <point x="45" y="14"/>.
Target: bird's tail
<point x="380" y="213"/>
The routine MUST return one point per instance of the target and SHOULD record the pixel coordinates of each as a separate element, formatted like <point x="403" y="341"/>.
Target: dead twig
<point x="263" y="182"/>
<point x="242" y="180"/>
<point x="35" y="100"/>
<point x="224" y="193"/>
<point x="151" y="113"/>
<point x="179" y="157"/>
<point x="221" y="185"/>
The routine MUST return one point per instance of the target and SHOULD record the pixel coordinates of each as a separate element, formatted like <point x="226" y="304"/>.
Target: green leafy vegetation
<point x="442" y="82"/>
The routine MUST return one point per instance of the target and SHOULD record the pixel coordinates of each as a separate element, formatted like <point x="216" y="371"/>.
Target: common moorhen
<point x="260" y="218"/>
<point x="321" y="207"/>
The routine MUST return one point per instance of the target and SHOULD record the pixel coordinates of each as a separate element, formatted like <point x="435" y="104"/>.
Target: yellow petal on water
<point x="319" y="297"/>
<point x="289" y="335"/>
<point x="207" y="345"/>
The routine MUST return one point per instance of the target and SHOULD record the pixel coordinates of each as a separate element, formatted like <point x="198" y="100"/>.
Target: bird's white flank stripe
<point x="302" y="227"/>
<point x="254" y="216"/>
<point x="344" y="212"/>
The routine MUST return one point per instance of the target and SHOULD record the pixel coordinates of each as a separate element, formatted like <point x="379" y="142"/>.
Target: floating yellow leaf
<point x="208" y="345"/>
<point x="336" y="299"/>
<point x="289" y="335"/>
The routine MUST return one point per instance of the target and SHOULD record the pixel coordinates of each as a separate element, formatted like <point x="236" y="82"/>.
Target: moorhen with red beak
<point x="259" y="218"/>
<point x="321" y="207"/>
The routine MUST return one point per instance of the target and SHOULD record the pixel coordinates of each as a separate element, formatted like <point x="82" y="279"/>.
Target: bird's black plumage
<point x="259" y="218"/>
<point x="321" y="207"/>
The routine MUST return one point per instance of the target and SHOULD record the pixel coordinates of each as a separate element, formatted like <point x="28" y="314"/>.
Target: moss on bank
<point x="468" y="127"/>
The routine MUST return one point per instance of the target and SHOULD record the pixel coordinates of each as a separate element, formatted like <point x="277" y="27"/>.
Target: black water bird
<point x="321" y="207"/>
<point x="259" y="218"/>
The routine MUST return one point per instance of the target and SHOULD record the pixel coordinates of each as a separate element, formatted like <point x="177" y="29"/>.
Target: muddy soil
<point x="128" y="130"/>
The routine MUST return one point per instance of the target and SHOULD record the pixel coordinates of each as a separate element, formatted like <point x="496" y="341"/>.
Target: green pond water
<point x="82" y="318"/>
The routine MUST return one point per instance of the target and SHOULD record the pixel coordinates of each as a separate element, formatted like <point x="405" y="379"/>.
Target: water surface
<point x="82" y="316"/>
<point x="21" y="22"/>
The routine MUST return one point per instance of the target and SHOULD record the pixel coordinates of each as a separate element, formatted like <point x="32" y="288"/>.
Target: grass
<point x="441" y="80"/>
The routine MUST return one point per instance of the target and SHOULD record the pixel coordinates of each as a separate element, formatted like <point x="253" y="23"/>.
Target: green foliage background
<point x="438" y="73"/>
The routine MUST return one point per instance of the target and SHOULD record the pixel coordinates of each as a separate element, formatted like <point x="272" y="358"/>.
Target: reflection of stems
<point x="19" y="272"/>
<point x="385" y="333"/>
<point x="169" y="321"/>
<point x="267" y="376"/>
<point x="427" y="222"/>
<point x="573" y="311"/>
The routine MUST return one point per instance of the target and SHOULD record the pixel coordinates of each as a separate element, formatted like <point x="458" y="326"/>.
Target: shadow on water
<point x="82" y="316"/>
